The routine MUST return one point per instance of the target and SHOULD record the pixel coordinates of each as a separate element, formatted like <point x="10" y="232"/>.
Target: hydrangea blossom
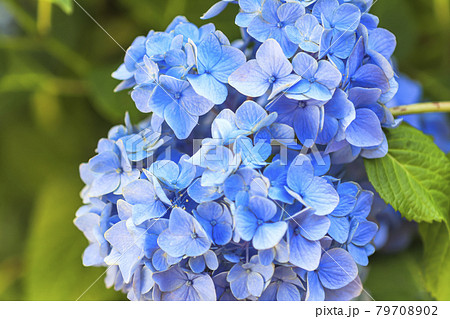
<point x="223" y="193"/>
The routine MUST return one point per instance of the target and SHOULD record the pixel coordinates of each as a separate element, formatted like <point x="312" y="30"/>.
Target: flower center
<point x="189" y="283"/>
<point x="272" y="79"/>
<point x="213" y="222"/>
<point x="260" y="221"/>
<point x="177" y="95"/>
<point x="302" y="104"/>
<point x="297" y="231"/>
<point x="194" y="235"/>
<point x="280" y="25"/>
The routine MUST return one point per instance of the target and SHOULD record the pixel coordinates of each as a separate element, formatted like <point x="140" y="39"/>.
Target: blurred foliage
<point x="396" y="277"/>
<point x="436" y="259"/>
<point x="57" y="100"/>
<point x="61" y="248"/>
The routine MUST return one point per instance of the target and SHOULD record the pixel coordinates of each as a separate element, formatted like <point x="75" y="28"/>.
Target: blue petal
<point x="321" y="196"/>
<point x="328" y="75"/>
<point x="246" y="223"/>
<point x="305" y="253"/>
<point x="158" y="44"/>
<point x="290" y="12"/>
<point x="181" y="223"/>
<point x="207" y="86"/>
<point x="170" y="280"/>
<point x="339" y="228"/>
<point x="204" y="286"/>
<point x="232" y="186"/>
<point x="269" y="235"/>
<point x="104" y="162"/>
<point x="371" y="76"/>
<point x="141" y="213"/>
<point x="158" y="101"/>
<point x="222" y="234"/>
<point x="179" y="120"/>
<point x="346" y="17"/>
<point x="244" y="19"/>
<point x="352" y="290"/>
<point x="272" y="60"/>
<point x="365" y="130"/>
<point x="159" y="260"/>
<point x="306" y="124"/>
<point x="239" y="288"/>
<point x="197" y="264"/>
<point x="255" y="284"/>
<point x="288" y="292"/>
<point x="270" y="293"/>
<point x="259" y="28"/>
<point x="314" y="291"/>
<point x="269" y="11"/>
<point x="359" y="254"/>
<point x="200" y="245"/>
<point x="139" y="192"/>
<point x="231" y="60"/>
<point x="365" y="233"/>
<point x="319" y="92"/>
<point x="195" y="104"/>
<point x="337" y="269"/>
<point x="201" y="193"/>
<point x="356" y="57"/>
<point x="250" y="79"/>
<point x="305" y="65"/>
<point x="329" y="130"/>
<point x="382" y="41"/>
<point x="325" y="8"/>
<point x="173" y="245"/>
<point x="266" y="256"/>
<point x="315" y="227"/>
<point x="364" y="97"/>
<point x="262" y="208"/>
<point x="141" y="97"/>
<point x="249" y="115"/>
<point x="104" y="184"/>
<point x="300" y="174"/>
<point x="211" y="260"/>
<point x="215" y="10"/>
<point x="122" y="73"/>
<point x="209" y="52"/>
<point x="363" y="204"/>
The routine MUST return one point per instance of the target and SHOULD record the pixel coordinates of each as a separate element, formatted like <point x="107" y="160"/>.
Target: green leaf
<point x="414" y="177"/>
<point x="65" y="5"/>
<point x="436" y="259"/>
<point x="396" y="277"/>
<point x="54" y="269"/>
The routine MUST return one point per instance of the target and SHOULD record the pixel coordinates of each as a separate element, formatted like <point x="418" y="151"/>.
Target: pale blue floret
<point x="270" y="70"/>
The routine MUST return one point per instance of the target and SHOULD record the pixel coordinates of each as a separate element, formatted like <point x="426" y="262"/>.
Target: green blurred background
<point x="57" y="100"/>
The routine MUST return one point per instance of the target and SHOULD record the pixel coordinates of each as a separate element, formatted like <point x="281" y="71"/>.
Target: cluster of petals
<point x="226" y="191"/>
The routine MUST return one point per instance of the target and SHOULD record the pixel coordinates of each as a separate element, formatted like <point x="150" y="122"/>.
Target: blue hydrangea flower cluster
<point x="224" y="192"/>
